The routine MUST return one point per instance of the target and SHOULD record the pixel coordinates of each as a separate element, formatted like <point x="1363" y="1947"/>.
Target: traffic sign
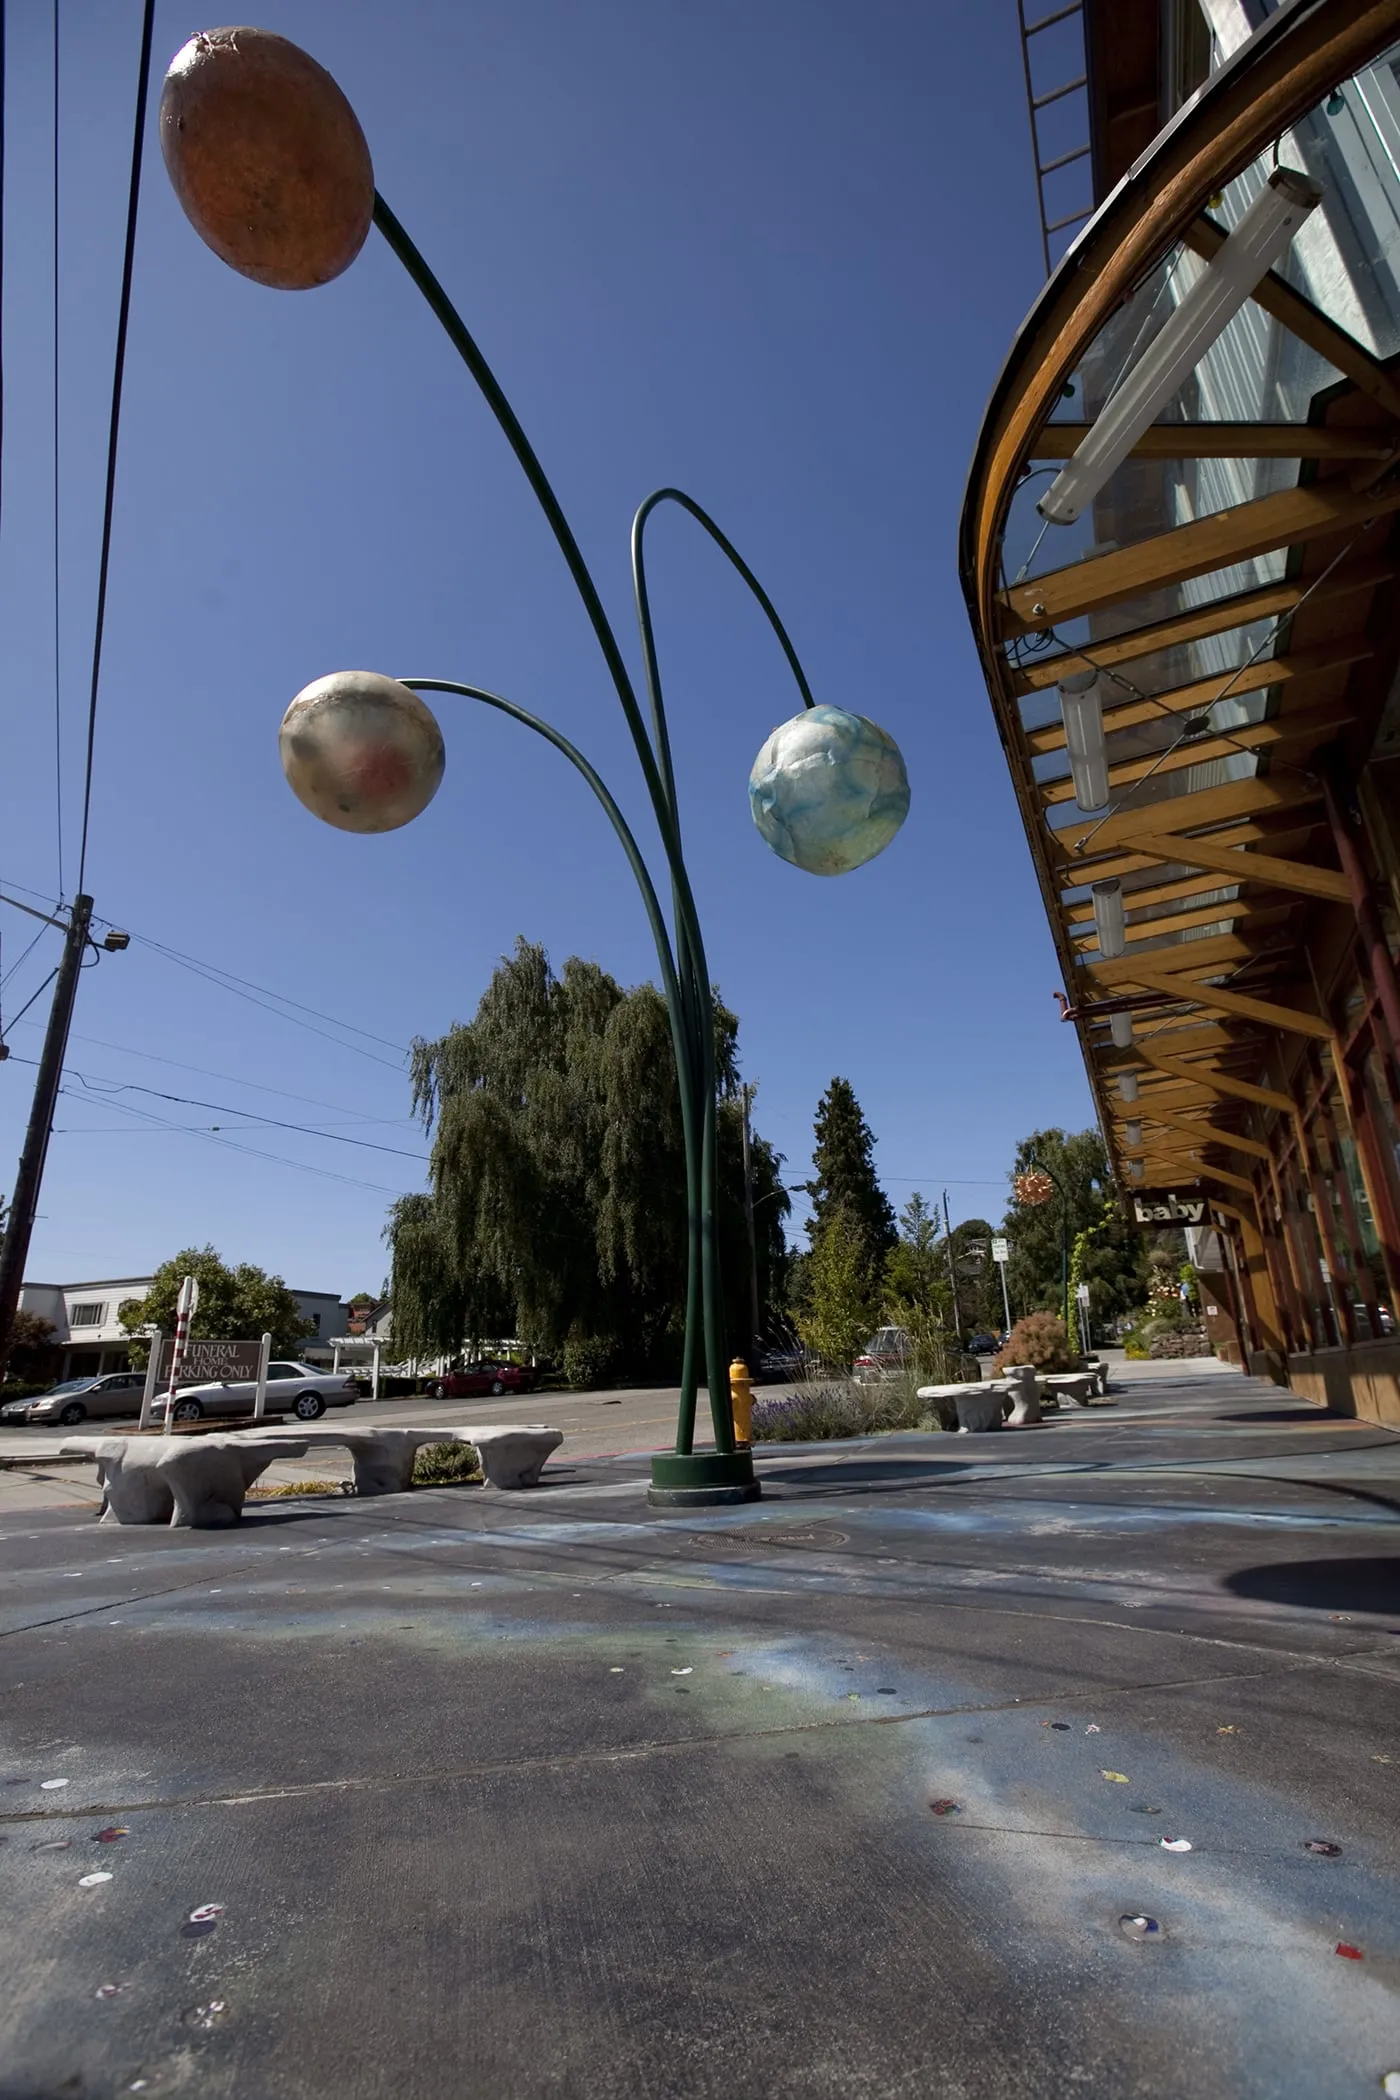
<point x="1081" y="1292"/>
<point x="1001" y="1250"/>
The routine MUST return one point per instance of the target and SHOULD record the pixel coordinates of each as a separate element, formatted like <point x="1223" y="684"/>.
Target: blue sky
<point x="770" y="250"/>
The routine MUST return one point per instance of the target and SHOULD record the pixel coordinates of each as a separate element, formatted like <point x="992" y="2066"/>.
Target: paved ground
<point x="557" y="1796"/>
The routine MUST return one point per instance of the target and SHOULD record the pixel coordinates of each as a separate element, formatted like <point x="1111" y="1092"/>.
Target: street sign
<point x="203" y="1363"/>
<point x="1081" y="1292"/>
<point x="1168" y="1207"/>
<point x="1001" y="1250"/>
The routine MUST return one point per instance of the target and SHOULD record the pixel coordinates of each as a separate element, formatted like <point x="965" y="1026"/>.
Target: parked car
<point x="78" y="1399"/>
<point x="982" y="1344"/>
<point x="886" y="1355"/>
<point x="779" y="1366"/>
<point x="480" y="1378"/>
<point x="297" y="1389"/>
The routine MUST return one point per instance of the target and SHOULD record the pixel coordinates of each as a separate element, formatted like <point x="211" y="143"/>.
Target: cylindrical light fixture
<point x="1127" y="1086"/>
<point x="1108" y="917"/>
<point x="1135" y="1168"/>
<point x="1132" y="1135"/>
<point x="1081" y="711"/>
<point x="1222" y="288"/>
<point x="1120" y="1027"/>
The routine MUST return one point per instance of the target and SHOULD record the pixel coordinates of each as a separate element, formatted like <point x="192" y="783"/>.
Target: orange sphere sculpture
<point x="267" y="157"/>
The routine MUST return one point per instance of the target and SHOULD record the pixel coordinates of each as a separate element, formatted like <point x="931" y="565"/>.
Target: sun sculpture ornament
<point x="1033" y="1187"/>
<point x="270" y="164"/>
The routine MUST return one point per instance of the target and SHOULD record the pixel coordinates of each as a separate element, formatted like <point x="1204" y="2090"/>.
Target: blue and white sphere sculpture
<point x="829" y="790"/>
<point x="361" y="751"/>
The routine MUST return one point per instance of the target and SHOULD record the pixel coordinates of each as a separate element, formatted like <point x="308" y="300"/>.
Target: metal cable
<point x="119" y="365"/>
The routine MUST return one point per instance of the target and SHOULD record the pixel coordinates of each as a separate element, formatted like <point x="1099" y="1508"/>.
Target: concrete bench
<point x="199" y="1482"/>
<point x="1079" y="1386"/>
<point x="512" y="1454"/>
<point x="979" y="1406"/>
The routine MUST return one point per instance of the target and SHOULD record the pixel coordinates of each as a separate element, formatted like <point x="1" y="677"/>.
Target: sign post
<point x="1001" y="1254"/>
<point x="1081" y="1292"/>
<point x="184" y="1313"/>
<point x="152" y="1378"/>
<point x="260" y="1403"/>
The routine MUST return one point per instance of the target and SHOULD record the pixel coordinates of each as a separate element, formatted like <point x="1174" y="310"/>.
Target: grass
<point x="297" y="1487"/>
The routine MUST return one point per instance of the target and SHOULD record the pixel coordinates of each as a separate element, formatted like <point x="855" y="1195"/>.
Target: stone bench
<point x="512" y="1454"/>
<point x="193" y="1481"/>
<point x="1079" y="1386"/>
<point x="979" y="1406"/>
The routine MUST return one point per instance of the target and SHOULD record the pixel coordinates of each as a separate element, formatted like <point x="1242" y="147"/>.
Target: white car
<point x="296" y="1389"/>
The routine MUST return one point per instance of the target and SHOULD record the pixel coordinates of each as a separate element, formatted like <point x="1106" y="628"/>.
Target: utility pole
<point x="24" y="1204"/>
<point x="952" y="1268"/>
<point x="755" y="1317"/>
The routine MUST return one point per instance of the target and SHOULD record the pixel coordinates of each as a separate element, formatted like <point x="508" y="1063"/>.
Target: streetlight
<point x="272" y="169"/>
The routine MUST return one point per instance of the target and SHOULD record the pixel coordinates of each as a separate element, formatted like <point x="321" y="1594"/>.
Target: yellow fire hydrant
<point x="741" y="1401"/>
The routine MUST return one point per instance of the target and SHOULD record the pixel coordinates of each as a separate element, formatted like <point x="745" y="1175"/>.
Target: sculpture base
<point x="687" y="1480"/>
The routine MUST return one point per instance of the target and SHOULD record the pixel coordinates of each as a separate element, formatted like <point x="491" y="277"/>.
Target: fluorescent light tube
<point x="1081" y="711"/>
<point x="1108" y="918"/>
<point x="1127" y="1086"/>
<point x="1135" y="1169"/>
<point x="1120" y="1027"/>
<point x="1132" y="1135"/>
<point x="1214" y="299"/>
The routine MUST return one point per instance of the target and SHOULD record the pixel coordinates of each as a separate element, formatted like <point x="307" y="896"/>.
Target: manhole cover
<point x="820" y="1537"/>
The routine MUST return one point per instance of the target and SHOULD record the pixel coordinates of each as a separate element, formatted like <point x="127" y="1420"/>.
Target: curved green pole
<point x="702" y="1275"/>
<point x="685" y="1075"/>
<point x="465" y="345"/>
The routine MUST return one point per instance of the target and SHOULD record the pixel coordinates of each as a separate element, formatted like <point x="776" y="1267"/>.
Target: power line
<point x="23" y="957"/>
<point x="230" y="1078"/>
<point x="57" y="650"/>
<point x="119" y="365"/>
<point x="216" y="973"/>
<point x="106" y="1088"/>
<point x="207" y="1137"/>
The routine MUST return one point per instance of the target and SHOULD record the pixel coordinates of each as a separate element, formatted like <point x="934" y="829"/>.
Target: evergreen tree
<point x="845" y="1178"/>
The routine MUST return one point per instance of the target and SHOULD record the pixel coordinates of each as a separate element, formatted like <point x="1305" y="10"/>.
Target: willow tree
<point x="558" y="1200"/>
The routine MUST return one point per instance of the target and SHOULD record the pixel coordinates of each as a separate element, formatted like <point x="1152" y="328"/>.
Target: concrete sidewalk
<point x="845" y="1793"/>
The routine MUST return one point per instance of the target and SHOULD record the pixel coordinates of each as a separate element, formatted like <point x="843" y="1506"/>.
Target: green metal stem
<point x="702" y="1278"/>
<point x="685" y="1077"/>
<point x="662" y="803"/>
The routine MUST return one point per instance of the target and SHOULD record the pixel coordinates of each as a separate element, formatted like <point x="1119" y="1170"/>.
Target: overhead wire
<point x="147" y="1116"/>
<point x="114" y="428"/>
<point x="216" y="972"/>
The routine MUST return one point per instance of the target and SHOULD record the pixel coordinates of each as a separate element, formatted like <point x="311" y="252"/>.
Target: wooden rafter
<point x="1214" y="542"/>
<point x="1204" y="692"/>
<point x="1269" y="601"/>
<point x="1312" y="725"/>
<point x="1138" y="862"/>
<point x="1217" y="1000"/>
<point x="1225" y="441"/>
<point x="1210" y="1133"/>
<point x="1217" y="1082"/>
<point x="1240" y="865"/>
<point x="1255" y="909"/>
<point x="1213" y="954"/>
<point x="1209" y="806"/>
<point x="1311" y="326"/>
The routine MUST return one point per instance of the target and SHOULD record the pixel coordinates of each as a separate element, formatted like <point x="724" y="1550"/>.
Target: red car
<point x="481" y="1378"/>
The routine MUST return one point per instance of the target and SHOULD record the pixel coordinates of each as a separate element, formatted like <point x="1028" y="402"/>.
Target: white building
<point x="86" y="1327"/>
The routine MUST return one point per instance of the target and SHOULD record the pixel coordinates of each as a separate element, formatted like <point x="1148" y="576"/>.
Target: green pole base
<point x="687" y="1480"/>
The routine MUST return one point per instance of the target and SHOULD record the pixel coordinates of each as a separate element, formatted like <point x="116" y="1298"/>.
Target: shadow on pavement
<point x="1364" y="1584"/>
<point x="865" y="1472"/>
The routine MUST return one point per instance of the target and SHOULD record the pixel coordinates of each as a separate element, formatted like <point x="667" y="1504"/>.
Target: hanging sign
<point x="1168" y="1207"/>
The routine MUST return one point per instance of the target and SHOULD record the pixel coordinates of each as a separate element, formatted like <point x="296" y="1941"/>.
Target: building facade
<point x="1195" y="676"/>
<point x="90" y="1339"/>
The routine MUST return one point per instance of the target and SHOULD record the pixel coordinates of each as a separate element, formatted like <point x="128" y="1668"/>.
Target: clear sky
<point x="773" y="251"/>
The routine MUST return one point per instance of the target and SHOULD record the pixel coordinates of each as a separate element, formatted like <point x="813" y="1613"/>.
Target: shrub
<point x="586" y="1360"/>
<point x="22" y="1389"/>
<point x="445" y="1465"/>
<point x="818" y="1413"/>
<point x="1038" y="1339"/>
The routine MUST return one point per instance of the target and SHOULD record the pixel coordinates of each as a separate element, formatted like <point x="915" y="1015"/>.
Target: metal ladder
<point x="1036" y="103"/>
